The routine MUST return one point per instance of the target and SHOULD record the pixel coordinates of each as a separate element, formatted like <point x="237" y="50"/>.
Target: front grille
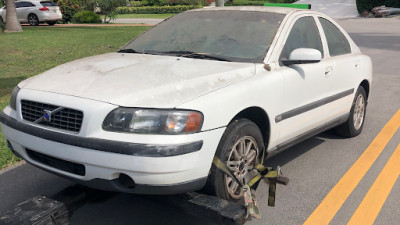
<point x="60" y="164"/>
<point x="61" y="118"/>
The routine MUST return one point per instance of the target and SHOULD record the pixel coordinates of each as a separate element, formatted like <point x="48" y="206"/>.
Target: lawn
<point x="145" y="16"/>
<point x="38" y="49"/>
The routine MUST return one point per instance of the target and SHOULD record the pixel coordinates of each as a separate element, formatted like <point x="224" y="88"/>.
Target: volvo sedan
<point x="241" y="83"/>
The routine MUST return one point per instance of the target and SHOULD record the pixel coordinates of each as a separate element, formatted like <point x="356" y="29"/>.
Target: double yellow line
<point x="369" y="208"/>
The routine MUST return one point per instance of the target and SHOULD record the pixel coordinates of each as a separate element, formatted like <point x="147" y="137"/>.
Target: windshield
<point x="240" y="36"/>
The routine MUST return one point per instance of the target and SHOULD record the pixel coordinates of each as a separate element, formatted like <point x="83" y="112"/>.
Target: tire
<point x="1" y="20"/>
<point x="240" y="131"/>
<point x="33" y="20"/>
<point x="51" y="23"/>
<point x="354" y="125"/>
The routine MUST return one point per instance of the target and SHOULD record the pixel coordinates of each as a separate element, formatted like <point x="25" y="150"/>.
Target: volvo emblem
<point x="47" y="115"/>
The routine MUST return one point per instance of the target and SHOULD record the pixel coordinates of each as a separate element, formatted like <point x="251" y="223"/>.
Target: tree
<point x="12" y="23"/>
<point x="108" y="8"/>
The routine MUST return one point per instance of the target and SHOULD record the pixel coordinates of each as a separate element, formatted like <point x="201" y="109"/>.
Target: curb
<point x="5" y="170"/>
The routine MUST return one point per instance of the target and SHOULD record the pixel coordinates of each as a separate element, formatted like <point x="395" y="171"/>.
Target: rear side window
<point x="47" y="3"/>
<point x="337" y="42"/>
<point x="304" y="34"/>
<point x="23" y="4"/>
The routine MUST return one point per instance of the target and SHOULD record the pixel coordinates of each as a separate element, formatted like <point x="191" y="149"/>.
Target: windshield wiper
<point x="190" y="54"/>
<point x="129" y="50"/>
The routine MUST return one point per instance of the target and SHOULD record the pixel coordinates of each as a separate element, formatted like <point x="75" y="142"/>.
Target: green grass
<point x="38" y="49"/>
<point x="145" y="16"/>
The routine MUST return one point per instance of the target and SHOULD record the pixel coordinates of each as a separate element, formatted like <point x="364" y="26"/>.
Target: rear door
<point x="343" y="66"/>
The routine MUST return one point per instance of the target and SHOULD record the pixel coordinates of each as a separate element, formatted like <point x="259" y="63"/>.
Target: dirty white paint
<point x="140" y="80"/>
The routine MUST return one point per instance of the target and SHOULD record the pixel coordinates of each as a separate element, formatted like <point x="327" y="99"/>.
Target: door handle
<point x="328" y="71"/>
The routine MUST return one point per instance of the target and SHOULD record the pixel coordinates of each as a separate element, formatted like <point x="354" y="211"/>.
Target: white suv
<point x="237" y="82"/>
<point x="35" y="12"/>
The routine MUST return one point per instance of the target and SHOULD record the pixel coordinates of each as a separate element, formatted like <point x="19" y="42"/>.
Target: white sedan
<point x="237" y="82"/>
<point x="34" y="12"/>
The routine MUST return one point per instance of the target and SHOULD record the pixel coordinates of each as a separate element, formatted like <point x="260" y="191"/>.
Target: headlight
<point x="13" y="99"/>
<point x="151" y="121"/>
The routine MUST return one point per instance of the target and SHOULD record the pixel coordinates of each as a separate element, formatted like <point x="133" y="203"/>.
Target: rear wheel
<point x="240" y="148"/>
<point x="51" y="23"/>
<point x="1" y="20"/>
<point x="355" y="123"/>
<point x="33" y="20"/>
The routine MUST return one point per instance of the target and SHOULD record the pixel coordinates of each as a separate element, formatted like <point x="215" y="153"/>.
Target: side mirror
<point x="303" y="56"/>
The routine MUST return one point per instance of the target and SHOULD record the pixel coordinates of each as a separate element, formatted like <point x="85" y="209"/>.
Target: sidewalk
<point x="137" y="21"/>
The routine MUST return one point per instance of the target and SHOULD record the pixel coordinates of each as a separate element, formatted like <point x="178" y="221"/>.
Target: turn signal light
<point x="193" y="122"/>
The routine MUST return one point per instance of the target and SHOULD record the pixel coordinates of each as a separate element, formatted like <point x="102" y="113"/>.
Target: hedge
<point x="156" y="9"/>
<point x="245" y="3"/>
<point x="363" y="5"/>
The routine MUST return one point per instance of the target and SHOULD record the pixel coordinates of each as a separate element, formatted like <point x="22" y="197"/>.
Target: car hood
<point x="137" y="80"/>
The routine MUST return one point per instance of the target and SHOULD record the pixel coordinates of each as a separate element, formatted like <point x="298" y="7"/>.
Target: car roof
<point x="281" y="10"/>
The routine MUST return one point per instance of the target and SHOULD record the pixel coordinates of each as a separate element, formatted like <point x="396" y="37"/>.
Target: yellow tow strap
<point x="273" y="177"/>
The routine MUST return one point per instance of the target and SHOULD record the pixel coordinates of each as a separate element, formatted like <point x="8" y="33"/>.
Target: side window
<point x="304" y="34"/>
<point x="18" y="4"/>
<point x="337" y="42"/>
<point x="22" y="4"/>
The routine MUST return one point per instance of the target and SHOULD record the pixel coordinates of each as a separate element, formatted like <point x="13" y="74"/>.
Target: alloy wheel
<point x="241" y="161"/>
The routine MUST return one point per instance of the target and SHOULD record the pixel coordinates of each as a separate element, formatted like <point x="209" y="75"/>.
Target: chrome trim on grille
<point x="62" y="118"/>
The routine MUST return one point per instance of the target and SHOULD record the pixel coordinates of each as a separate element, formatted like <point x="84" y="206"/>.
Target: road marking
<point x="370" y="206"/>
<point x="328" y="208"/>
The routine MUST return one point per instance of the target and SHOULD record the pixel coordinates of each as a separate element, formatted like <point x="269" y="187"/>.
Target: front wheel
<point x="353" y="126"/>
<point x="33" y="20"/>
<point x="1" y="20"/>
<point x="240" y="148"/>
<point x="51" y="23"/>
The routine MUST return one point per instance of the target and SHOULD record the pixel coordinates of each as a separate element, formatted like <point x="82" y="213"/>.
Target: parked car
<point x="35" y="12"/>
<point x="237" y="82"/>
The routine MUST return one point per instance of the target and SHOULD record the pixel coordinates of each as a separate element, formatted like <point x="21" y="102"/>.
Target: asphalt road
<point x="314" y="166"/>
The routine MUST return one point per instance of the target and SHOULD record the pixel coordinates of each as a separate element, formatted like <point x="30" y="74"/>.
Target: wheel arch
<point x="258" y="116"/>
<point x="365" y="84"/>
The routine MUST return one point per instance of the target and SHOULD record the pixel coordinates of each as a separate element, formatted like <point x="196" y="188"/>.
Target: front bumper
<point x="157" y="164"/>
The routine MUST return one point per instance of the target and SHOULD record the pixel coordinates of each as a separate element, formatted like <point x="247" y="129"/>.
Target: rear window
<point x="47" y="3"/>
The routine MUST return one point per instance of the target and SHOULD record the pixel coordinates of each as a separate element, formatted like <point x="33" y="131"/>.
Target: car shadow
<point x="130" y="209"/>
<point x="297" y="150"/>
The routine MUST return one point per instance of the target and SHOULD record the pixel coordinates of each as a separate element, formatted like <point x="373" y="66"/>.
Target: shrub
<point x="187" y="2"/>
<point x="363" y="5"/>
<point x="138" y="3"/>
<point x="86" y="17"/>
<point x="68" y="9"/>
<point x="108" y="8"/>
<point x="2" y="27"/>
<point x="154" y="3"/>
<point x="245" y="3"/>
<point x="156" y="9"/>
